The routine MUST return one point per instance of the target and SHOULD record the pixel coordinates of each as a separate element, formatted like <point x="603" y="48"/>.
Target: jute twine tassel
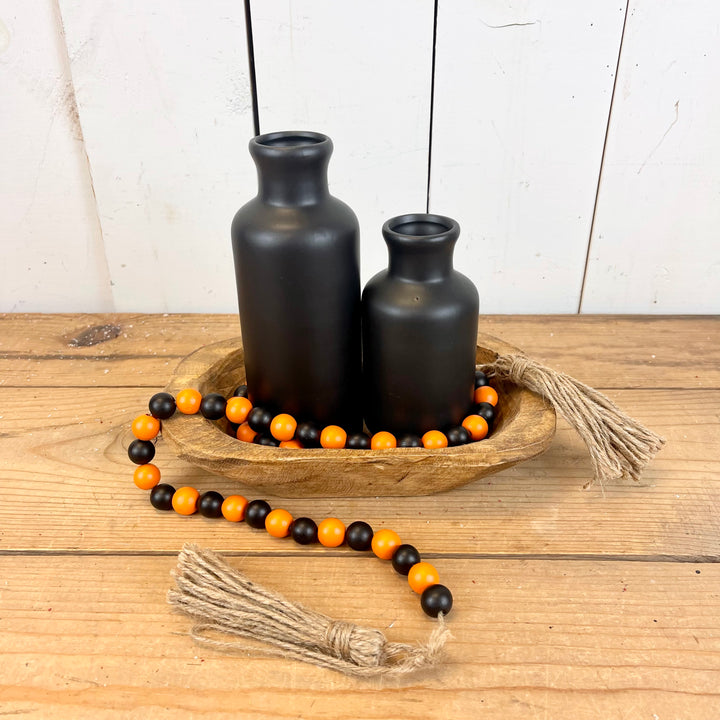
<point x="619" y="446"/>
<point x="225" y="602"/>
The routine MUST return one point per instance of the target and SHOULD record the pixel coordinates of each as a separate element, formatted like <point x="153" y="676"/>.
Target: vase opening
<point x="420" y="245"/>
<point x="420" y="228"/>
<point x="292" y="167"/>
<point x="290" y="139"/>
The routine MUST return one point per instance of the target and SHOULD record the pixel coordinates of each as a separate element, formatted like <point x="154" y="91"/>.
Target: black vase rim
<point x="439" y="229"/>
<point x="285" y="143"/>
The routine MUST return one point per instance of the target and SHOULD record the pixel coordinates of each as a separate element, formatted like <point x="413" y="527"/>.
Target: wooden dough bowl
<point x="524" y="427"/>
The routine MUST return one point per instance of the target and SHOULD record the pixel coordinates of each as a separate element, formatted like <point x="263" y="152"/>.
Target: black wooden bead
<point x="232" y="428"/>
<point x="162" y="405"/>
<point x="457" y="435"/>
<point x="213" y="406"/>
<point x="256" y="512"/>
<point x="259" y="419"/>
<point x="308" y="433"/>
<point x="404" y="558"/>
<point x="359" y="536"/>
<point x="240" y="391"/>
<point x="266" y="440"/>
<point x="485" y="410"/>
<point x="141" y="451"/>
<point x="436" y="599"/>
<point x="161" y="496"/>
<point x="410" y="440"/>
<point x="304" y="531"/>
<point x="210" y="504"/>
<point x="358" y="441"/>
<point x="480" y="379"/>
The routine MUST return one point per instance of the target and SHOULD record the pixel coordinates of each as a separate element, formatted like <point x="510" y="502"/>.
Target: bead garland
<point x="252" y="425"/>
<point x="258" y="425"/>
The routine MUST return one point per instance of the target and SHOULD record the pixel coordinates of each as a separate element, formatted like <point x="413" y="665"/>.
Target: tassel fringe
<point x="225" y="603"/>
<point x="619" y="446"/>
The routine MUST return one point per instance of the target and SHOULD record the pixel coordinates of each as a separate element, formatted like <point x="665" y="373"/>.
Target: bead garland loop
<point x="259" y="426"/>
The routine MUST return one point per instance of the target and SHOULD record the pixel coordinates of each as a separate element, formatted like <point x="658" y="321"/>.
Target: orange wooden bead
<point x="278" y="522"/>
<point x="237" y="409"/>
<point x="477" y="426"/>
<point x="385" y="543"/>
<point x="485" y="394"/>
<point x="333" y="436"/>
<point x="245" y="433"/>
<point x="145" y="427"/>
<point x="233" y="508"/>
<point x="283" y="427"/>
<point x="185" y="500"/>
<point x="422" y="575"/>
<point x="434" y="439"/>
<point x="146" y="477"/>
<point x="331" y="532"/>
<point x="295" y="444"/>
<point x="383" y="440"/>
<point x="188" y="401"/>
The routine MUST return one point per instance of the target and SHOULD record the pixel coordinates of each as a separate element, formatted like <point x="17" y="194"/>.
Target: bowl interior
<point x="229" y="372"/>
<point x="523" y="428"/>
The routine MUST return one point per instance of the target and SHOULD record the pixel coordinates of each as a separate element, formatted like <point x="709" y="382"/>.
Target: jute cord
<point x="225" y="604"/>
<point x="619" y="446"/>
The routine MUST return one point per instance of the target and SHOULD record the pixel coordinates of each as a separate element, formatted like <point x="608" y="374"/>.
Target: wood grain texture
<point x="93" y="638"/>
<point x="35" y="350"/>
<point x="568" y="603"/>
<point x="522" y="96"/>
<point x="654" y="246"/>
<point x="523" y="428"/>
<point x="73" y="443"/>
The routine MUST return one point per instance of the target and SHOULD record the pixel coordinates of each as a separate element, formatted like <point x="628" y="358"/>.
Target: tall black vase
<point x="420" y="320"/>
<point x="296" y="251"/>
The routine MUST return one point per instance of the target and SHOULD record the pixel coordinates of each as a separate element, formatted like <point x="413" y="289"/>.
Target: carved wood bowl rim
<point x="524" y="428"/>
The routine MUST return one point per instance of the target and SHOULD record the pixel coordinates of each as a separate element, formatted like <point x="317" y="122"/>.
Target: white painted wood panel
<point x="656" y="241"/>
<point x="165" y="107"/>
<point x="360" y="72"/>
<point x="522" y="95"/>
<point x="53" y="258"/>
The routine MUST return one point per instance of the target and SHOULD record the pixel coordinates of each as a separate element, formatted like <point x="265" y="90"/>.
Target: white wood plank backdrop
<point x="165" y="110"/>
<point x="360" y="72"/>
<point x="522" y="97"/>
<point x="125" y="128"/>
<point x="53" y="254"/>
<point x="656" y="240"/>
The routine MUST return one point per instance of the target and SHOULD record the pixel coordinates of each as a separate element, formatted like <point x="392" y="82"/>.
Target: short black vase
<point x="296" y="251"/>
<point x="420" y="320"/>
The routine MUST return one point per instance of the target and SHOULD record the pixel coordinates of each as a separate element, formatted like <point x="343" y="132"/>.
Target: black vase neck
<point x="420" y="246"/>
<point x="292" y="167"/>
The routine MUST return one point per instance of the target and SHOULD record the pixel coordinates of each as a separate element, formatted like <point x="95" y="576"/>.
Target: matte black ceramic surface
<point x="420" y="320"/>
<point x="296" y="252"/>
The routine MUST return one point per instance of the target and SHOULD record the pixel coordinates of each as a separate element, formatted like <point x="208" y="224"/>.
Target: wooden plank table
<point x="599" y="603"/>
